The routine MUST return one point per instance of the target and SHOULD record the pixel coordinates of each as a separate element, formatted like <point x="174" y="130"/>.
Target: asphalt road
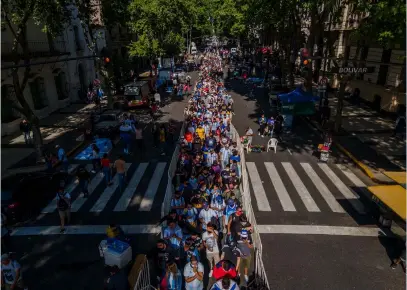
<point x="71" y="261"/>
<point x="316" y="222"/>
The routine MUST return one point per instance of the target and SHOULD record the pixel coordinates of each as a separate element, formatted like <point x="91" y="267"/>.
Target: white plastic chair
<point x="246" y="146"/>
<point x="272" y="143"/>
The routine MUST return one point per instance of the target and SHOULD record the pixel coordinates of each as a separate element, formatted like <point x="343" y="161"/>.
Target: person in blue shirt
<point x="210" y="141"/>
<point x="62" y="158"/>
<point x="125" y="134"/>
<point x="230" y="209"/>
<point x="173" y="234"/>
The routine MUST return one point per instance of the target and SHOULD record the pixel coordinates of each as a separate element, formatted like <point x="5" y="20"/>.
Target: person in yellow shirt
<point x="200" y="131"/>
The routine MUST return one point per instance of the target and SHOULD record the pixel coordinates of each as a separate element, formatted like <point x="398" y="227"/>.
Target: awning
<point x="397" y="176"/>
<point x="393" y="196"/>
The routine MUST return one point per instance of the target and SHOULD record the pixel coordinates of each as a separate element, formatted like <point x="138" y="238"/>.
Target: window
<point x="78" y="41"/>
<point x="61" y="86"/>
<point x="39" y="97"/>
<point x="8" y="98"/>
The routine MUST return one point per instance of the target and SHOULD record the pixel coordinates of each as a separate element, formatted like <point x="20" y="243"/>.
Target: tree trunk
<point x="38" y="141"/>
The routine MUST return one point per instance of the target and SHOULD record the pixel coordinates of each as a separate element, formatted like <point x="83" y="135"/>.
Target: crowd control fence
<point x="141" y="274"/>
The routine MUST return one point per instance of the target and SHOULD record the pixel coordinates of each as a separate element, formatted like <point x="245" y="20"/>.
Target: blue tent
<point x="297" y="96"/>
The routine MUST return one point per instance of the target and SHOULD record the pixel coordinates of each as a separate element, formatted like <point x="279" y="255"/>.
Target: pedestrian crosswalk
<point x="318" y="187"/>
<point x="145" y="185"/>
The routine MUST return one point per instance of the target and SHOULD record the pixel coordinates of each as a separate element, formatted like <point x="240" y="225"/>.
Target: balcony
<point x="36" y="49"/>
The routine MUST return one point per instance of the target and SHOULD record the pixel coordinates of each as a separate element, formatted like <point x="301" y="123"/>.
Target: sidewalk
<point x="367" y="140"/>
<point x="62" y="127"/>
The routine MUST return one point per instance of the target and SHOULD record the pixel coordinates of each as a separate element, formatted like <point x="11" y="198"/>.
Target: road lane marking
<point x="300" y="188"/>
<point x="343" y="188"/>
<point x="80" y="201"/>
<point x="278" y="184"/>
<point x="323" y="230"/>
<point x="148" y="199"/>
<point x="128" y="193"/>
<point x="351" y="176"/>
<point x="84" y="230"/>
<point x="258" y="189"/>
<point x="107" y="193"/>
<point x="52" y="206"/>
<point x="323" y="190"/>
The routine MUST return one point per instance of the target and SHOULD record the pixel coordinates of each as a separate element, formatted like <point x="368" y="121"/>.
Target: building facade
<point x="53" y="84"/>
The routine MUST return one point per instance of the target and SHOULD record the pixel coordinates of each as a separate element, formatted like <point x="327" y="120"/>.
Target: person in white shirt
<point x="157" y="97"/>
<point x="193" y="274"/>
<point x="249" y="134"/>
<point x="210" y="239"/>
<point x="207" y="215"/>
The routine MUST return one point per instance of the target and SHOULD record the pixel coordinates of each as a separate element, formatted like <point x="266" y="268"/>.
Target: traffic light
<point x="105" y="56"/>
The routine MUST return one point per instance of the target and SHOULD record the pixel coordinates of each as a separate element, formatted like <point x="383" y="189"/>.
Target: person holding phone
<point x="193" y="273"/>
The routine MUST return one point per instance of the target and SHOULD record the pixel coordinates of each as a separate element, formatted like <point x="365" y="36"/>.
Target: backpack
<point x="62" y="204"/>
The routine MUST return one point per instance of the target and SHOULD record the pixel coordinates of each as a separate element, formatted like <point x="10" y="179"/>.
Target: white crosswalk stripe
<point x="124" y="201"/>
<point x="97" y="186"/>
<point x="323" y="190"/>
<point x="258" y="189"/>
<point x="307" y="183"/>
<point x="52" y="206"/>
<point x="347" y="193"/>
<point x="300" y="187"/>
<point x="80" y="201"/>
<point x="147" y="201"/>
<point x="278" y="184"/>
<point x="108" y="193"/>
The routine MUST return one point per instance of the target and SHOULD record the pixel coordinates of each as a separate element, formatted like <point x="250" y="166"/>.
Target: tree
<point x="52" y="16"/>
<point x="160" y="25"/>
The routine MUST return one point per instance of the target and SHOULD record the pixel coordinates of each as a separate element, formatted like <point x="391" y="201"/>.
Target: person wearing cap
<point x="11" y="277"/>
<point x="207" y="215"/>
<point x="229" y="210"/>
<point x="244" y="246"/>
<point x="225" y="284"/>
<point x="62" y="158"/>
<point x="210" y="241"/>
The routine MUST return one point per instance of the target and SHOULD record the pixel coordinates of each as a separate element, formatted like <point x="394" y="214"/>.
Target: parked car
<point x="108" y="123"/>
<point x="23" y="196"/>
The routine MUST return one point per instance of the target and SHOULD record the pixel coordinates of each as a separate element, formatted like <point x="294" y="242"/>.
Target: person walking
<point x="125" y="135"/>
<point x="63" y="200"/>
<point x="95" y="158"/>
<point x="11" y="278"/>
<point x="62" y="158"/>
<point x="119" y="164"/>
<point x="106" y="169"/>
<point x="163" y="139"/>
<point x="84" y="178"/>
<point x="25" y="128"/>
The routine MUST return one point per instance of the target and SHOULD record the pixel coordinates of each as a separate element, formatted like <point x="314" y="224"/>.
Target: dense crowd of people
<point x="206" y="237"/>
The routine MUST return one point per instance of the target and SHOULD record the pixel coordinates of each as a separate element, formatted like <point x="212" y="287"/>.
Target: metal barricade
<point x="260" y="281"/>
<point x="141" y="272"/>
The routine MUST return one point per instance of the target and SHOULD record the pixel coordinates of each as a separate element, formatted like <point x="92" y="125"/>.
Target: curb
<point x="358" y="163"/>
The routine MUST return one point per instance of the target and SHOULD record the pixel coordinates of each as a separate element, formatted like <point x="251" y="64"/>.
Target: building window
<point x="8" y="99"/>
<point x="39" y="96"/>
<point x="61" y="86"/>
<point x="78" y="42"/>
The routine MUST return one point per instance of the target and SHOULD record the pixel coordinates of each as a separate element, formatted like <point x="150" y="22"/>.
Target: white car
<point x="233" y="50"/>
<point x="194" y="50"/>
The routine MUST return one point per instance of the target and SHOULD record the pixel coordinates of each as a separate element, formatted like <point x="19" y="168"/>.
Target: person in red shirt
<point x="189" y="137"/>
<point x="106" y="169"/>
<point x="224" y="269"/>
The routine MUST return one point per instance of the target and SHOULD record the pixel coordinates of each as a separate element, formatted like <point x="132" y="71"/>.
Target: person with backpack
<point x="63" y="200"/>
<point x="11" y="278"/>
